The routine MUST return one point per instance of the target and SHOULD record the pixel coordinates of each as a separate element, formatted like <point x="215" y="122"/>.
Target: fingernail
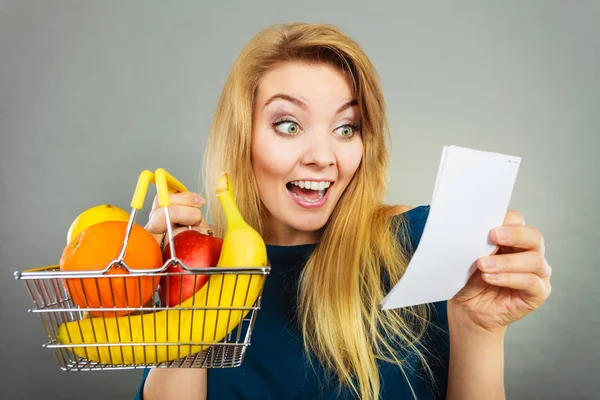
<point x="488" y="264"/>
<point x="491" y="277"/>
<point x="198" y="200"/>
<point x="502" y="233"/>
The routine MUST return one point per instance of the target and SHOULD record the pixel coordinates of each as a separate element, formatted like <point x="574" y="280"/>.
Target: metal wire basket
<point x="199" y="332"/>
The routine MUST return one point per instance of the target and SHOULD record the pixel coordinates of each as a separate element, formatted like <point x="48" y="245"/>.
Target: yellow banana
<point x="242" y="247"/>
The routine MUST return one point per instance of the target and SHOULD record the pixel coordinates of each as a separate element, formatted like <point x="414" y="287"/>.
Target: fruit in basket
<point x="242" y="247"/>
<point x="94" y="249"/>
<point x="195" y="250"/>
<point x="94" y="215"/>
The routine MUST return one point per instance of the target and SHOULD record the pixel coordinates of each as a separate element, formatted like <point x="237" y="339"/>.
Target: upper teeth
<point x="312" y="184"/>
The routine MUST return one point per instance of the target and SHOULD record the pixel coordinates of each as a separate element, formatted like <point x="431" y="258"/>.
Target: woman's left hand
<point x="510" y="283"/>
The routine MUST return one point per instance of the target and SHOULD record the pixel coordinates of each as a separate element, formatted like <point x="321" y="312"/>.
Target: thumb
<point x="473" y="288"/>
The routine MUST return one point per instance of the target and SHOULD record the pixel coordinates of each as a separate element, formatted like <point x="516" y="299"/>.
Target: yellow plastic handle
<point x="141" y="189"/>
<point x="165" y="181"/>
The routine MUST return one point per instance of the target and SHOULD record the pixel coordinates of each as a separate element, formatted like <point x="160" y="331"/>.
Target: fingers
<point x="533" y="289"/>
<point x="189" y="199"/>
<point x="525" y="262"/>
<point x="182" y="215"/>
<point x="523" y="237"/>
<point x="184" y="210"/>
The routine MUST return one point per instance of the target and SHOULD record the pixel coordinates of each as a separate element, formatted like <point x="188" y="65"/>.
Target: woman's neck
<point x="278" y="234"/>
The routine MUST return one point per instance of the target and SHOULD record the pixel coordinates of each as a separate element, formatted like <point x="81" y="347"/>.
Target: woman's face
<point x="306" y="146"/>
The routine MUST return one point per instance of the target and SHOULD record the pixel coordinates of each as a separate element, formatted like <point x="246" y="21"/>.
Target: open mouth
<point x="309" y="191"/>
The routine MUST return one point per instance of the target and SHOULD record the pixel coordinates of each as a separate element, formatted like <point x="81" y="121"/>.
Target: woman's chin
<point x="309" y="223"/>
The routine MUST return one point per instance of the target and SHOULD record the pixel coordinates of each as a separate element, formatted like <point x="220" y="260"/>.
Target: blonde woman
<point x="301" y="126"/>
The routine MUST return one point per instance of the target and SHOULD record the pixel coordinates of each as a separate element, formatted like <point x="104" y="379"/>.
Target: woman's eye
<point x="287" y="127"/>
<point x="346" y="131"/>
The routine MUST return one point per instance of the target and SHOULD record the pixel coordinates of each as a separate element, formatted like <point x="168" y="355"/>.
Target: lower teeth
<point x="320" y="192"/>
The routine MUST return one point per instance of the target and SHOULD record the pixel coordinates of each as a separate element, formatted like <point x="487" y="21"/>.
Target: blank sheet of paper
<point x="470" y="197"/>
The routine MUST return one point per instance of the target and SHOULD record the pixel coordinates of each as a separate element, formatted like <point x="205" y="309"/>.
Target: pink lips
<point x="309" y="204"/>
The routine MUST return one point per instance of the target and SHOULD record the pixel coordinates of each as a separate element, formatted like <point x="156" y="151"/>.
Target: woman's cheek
<point x="274" y="157"/>
<point x="350" y="157"/>
<point x="281" y="154"/>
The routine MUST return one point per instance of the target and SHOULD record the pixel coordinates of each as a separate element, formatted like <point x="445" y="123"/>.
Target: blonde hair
<point x="339" y="291"/>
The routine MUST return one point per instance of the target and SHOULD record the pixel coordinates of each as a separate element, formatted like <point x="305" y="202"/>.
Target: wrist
<point x="476" y="369"/>
<point x="462" y="325"/>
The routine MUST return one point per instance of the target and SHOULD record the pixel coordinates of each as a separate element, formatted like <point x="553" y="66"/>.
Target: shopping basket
<point x="192" y="334"/>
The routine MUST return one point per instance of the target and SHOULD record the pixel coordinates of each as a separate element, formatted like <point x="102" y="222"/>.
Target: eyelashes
<point x="353" y="129"/>
<point x="287" y="127"/>
<point x="290" y="127"/>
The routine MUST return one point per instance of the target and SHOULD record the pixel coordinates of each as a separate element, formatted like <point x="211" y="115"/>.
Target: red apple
<point x="195" y="250"/>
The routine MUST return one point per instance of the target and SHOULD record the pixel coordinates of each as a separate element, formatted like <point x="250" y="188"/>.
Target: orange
<point x="93" y="250"/>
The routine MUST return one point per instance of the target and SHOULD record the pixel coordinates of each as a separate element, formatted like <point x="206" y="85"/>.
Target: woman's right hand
<point x="184" y="211"/>
<point x="176" y="383"/>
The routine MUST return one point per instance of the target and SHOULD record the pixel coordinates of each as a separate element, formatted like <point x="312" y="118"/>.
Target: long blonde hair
<point x="339" y="291"/>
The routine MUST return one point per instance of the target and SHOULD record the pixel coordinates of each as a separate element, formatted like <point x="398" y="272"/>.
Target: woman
<point x="301" y="126"/>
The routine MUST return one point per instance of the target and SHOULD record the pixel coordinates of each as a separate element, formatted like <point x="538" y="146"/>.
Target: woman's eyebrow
<point x="303" y="105"/>
<point x="287" y="97"/>
<point x="349" y="104"/>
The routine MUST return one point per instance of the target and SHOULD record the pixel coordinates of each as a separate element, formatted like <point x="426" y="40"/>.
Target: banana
<point x="242" y="247"/>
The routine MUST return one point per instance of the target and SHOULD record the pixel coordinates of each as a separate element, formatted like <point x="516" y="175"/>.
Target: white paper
<point x="470" y="197"/>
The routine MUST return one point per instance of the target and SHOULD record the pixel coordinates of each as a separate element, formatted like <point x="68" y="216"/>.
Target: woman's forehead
<point x="305" y="84"/>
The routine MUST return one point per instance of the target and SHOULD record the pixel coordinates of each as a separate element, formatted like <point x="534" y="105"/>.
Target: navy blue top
<point x="275" y="366"/>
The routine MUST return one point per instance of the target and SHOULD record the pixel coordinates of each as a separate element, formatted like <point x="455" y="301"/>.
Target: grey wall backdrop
<point x="92" y="92"/>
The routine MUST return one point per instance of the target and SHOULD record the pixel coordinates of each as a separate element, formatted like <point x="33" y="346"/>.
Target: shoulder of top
<point x="401" y="209"/>
<point x="412" y="212"/>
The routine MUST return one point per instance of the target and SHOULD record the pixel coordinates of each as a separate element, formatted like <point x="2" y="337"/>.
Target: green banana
<point x="242" y="247"/>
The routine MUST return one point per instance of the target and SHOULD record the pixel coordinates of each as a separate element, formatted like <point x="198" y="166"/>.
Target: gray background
<point x="92" y="92"/>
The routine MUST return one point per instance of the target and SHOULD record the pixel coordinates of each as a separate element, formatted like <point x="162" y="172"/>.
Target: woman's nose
<point x="319" y="150"/>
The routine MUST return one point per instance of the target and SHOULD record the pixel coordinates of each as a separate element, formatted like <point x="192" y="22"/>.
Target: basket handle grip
<point x="141" y="189"/>
<point x="165" y="181"/>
